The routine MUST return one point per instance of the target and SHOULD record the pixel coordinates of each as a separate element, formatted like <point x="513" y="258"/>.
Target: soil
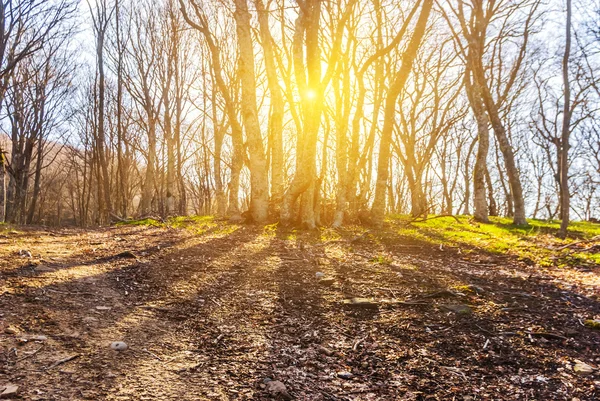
<point x="211" y="316"/>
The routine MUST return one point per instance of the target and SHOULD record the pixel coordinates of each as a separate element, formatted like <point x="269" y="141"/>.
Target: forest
<point x="300" y="199"/>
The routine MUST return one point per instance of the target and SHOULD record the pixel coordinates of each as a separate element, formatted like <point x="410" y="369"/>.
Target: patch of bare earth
<point x="210" y="317"/>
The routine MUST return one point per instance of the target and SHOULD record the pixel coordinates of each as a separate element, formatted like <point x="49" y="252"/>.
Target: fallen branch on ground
<point x="64" y="360"/>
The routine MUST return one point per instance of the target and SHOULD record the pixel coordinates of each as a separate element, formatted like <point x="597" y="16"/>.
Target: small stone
<point x="459" y="309"/>
<point x="365" y="303"/>
<point x="322" y="262"/>
<point x="119" y="346"/>
<point x="11" y="330"/>
<point x="475" y="288"/>
<point x="24" y="253"/>
<point x="325" y="351"/>
<point x="345" y="375"/>
<point x="320" y="275"/>
<point x="277" y="389"/>
<point x="582" y="368"/>
<point x="327" y="281"/>
<point x="9" y="390"/>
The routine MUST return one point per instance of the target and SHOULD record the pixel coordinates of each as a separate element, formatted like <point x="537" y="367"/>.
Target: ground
<point x="210" y="310"/>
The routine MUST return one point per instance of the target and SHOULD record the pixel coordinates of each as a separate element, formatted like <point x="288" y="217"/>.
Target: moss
<point x="381" y="259"/>
<point x="141" y="222"/>
<point x="535" y="243"/>
<point x="592" y="324"/>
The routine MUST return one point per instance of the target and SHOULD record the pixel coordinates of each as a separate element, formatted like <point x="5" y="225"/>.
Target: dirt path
<point x="209" y="317"/>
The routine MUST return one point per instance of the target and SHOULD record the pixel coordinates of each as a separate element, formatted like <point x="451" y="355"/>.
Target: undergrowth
<point x="536" y="242"/>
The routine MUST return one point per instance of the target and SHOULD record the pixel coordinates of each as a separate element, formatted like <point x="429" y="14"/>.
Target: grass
<point x="196" y="224"/>
<point x="536" y="242"/>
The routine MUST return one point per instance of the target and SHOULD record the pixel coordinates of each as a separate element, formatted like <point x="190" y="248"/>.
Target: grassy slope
<point x="537" y="241"/>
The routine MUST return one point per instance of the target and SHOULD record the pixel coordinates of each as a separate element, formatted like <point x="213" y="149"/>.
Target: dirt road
<point x="210" y="316"/>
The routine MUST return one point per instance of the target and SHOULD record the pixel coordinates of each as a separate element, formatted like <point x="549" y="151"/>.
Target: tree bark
<point x="259" y="179"/>
<point x="565" y="201"/>
<point x="383" y="162"/>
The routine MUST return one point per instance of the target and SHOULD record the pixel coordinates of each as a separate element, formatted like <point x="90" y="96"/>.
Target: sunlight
<point x="310" y="94"/>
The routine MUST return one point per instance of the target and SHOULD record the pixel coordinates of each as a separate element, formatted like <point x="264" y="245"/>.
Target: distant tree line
<point x="305" y="112"/>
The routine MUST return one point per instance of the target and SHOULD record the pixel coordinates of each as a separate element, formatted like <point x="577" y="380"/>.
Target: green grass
<point x="141" y="222"/>
<point x="534" y="241"/>
<point x="196" y="224"/>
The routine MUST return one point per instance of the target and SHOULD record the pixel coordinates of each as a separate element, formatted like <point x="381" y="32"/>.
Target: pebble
<point x="119" y="345"/>
<point x="320" y="275"/>
<point x="9" y="390"/>
<point x="24" y="253"/>
<point x="345" y="375"/>
<point x="582" y="368"/>
<point x="325" y="351"/>
<point x="366" y="303"/>
<point x="276" y="389"/>
<point x="11" y="330"/>
<point x="327" y="281"/>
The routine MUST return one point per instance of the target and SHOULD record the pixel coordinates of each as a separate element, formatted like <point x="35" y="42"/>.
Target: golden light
<point x="310" y="94"/>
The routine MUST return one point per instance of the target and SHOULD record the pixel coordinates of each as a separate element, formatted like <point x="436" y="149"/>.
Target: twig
<point x="30" y="355"/>
<point x="595" y="238"/>
<point x="420" y="220"/>
<point x="151" y="354"/>
<point x="64" y="360"/>
<point x="546" y="335"/>
<point x="357" y="343"/>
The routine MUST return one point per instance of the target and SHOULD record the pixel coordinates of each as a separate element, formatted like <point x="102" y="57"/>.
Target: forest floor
<point x="210" y="310"/>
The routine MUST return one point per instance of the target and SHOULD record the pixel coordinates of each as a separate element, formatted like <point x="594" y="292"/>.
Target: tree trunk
<point x="565" y="201"/>
<point x="378" y="208"/>
<point x="259" y="200"/>
<point x="512" y="171"/>
<point x="483" y="138"/>
<point x="277" y="108"/>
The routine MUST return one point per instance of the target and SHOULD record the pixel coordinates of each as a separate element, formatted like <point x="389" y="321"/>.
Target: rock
<point x="24" y="253"/>
<point x="475" y="288"/>
<point x="325" y="351"/>
<point x="11" y="330"/>
<point x="320" y="275"/>
<point x="327" y="281"/>
<point x="9" y="390"/>
<point x="364" y="303"/>
<point x="277" y="389"/>
<point x="126" y="254"/>
<point x="592" y="324"/>
<point x="582" y="368"/>
<point x="119" y="346"/>
<point x="322" y="261"/>
<point x="459" y="309"/>
<point x="345" y="375"/>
